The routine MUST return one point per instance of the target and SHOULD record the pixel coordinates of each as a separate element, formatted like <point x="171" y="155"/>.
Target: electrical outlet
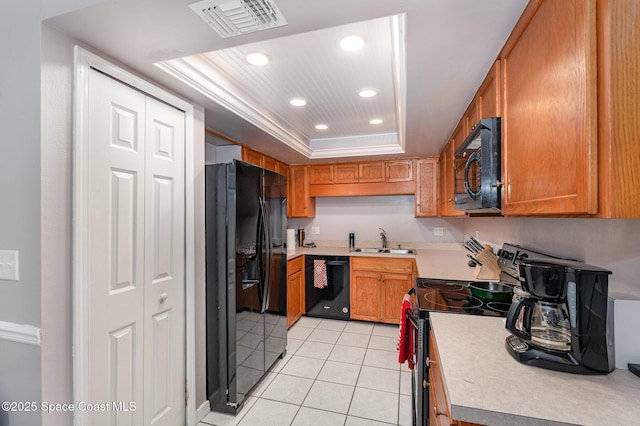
<point x="438" y="232"/>
<point x="315" y="230"/>
<point x="9" y="265"/>
<point x="477" y="234"/>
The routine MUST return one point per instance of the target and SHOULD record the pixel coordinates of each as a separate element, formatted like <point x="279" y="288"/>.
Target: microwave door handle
<point x="473" y="158"/>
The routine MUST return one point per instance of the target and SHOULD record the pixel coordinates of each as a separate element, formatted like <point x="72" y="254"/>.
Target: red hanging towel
<point x="320" y="273"/>
<point x="405" y="341"/>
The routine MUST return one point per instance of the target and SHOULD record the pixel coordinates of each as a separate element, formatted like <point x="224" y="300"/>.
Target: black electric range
<point x="436" y="295"/>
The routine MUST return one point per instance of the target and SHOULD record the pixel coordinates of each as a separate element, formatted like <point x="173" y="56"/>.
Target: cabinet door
<point x="460" y="132"/>
<point x="399" y="171"/>
<point x="252" y="157"/>
<point x="321" y="174"/>
<point x="439" y="407"/>
<point x="365" y="296"/>
<point x="370" y="172"/>
<point x="447" y="170"/>
<point x="394" y="287"/>
<point x="299" y="203"/>
<point x="295" y="297"/>
<point x="282" y="168"/>
<point x="346" y="173"/>
<point x="549" y="115"/>
<point x="488" y="97"/>
<point x="427" y="187"/>
<point x="269" y="163"/>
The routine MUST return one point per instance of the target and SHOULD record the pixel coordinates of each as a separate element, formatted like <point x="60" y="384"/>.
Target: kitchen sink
<point x="385" y="250"/>
<point x="368" y="250"/>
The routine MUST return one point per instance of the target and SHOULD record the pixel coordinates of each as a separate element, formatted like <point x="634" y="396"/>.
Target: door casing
<point x="84" y="61"/>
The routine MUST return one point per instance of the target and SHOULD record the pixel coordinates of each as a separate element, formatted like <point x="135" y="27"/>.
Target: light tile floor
<point x="334" y="373"/>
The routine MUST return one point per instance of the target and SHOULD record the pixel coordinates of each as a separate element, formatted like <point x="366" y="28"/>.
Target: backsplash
<point x="613" y="244"/>
<point x="338" y="216"/>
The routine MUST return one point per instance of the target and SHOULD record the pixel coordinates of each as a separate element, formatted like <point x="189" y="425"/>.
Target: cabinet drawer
<point x="295" y="265"/>
<point x="382" y="265"/>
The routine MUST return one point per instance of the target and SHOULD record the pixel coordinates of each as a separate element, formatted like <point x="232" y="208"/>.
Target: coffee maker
<point x="561" y="320"/>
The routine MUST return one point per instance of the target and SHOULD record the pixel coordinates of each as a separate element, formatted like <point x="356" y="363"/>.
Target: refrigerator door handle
<point x="266" y="285"/>
<point x="268" y="282"/>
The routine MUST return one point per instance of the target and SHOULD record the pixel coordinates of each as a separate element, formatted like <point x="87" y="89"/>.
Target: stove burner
<point x="499" y="306"/>
<point x="455" y="297"/>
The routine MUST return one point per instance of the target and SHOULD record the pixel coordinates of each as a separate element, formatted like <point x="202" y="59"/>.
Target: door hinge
<point x="186" y="393"/>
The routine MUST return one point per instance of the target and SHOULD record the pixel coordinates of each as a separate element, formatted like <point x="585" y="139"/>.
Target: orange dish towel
<point x="406" y="333"/>
<point x="320" y="273"/>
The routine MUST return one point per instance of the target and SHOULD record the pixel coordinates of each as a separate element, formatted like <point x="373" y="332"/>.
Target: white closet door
<point x="136" y="259"/>
<point x="116" y="253"/>
<point x="164" y="343"/>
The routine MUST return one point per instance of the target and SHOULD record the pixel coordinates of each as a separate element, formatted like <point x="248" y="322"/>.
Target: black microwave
<point x="477" y="185"/>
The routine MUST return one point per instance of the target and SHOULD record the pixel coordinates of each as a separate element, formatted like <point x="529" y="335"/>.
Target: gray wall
<point x="20" y="198"/>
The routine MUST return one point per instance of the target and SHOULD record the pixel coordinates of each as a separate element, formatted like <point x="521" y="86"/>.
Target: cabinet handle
<point x="439" y="413"/>
<point x="450" y="199"/>
<point x="429" y="361"/>
<point x="425" y="384"/>
<point x="498" y="184"/>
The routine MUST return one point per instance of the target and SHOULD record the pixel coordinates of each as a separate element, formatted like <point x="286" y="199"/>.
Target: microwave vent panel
<point x="232" y="18"/>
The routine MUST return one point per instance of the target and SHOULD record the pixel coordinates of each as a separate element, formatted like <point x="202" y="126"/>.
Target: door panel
<point x="164" y="265"/>
<point x="116" y="248"/>
<point x="135" y="257"/>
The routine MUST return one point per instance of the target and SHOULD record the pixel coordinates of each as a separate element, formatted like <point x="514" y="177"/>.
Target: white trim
<point x="203" y="410"/>
<point x="84" y="61"/>
<point x="185" y="71"/>
<point x="20" y="333"/>
<point x="399" y="68"/>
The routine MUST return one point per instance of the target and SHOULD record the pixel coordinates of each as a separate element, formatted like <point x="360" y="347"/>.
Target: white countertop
<point x="444" y="261"/>
<point x="486" y="385"/>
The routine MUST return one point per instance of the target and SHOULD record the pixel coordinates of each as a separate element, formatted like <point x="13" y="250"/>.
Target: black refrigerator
<point x="246" y="299"/>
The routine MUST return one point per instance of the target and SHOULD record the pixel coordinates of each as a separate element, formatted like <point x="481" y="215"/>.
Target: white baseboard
<point x="202" y="411"/>
<point x="20" y="333"/>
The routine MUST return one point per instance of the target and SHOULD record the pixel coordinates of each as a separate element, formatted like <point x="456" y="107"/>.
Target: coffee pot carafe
<point x="560" y="319"/>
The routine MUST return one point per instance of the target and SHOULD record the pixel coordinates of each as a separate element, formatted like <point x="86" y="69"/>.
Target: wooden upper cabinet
<point x="459" y="133"/>
<point x="252" y="157"/>
<point x="299" y="203"/>
<point x="399" y="170"/>
<point x="549" y="118"/>
<point x="346" y="173"/>
<point x="488" y="96"/>
<point x="619" y="109"/>
<point x="427" y="179"/>
<point x="321" y="174"/>
<point x="282" y="168"/>
<point x="446" y="205"/>
<point x="371" y="172"/>
<point x="269" y="163"/>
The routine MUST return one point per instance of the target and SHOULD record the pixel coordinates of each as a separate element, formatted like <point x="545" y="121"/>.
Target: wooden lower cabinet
<point x="440" y="412"/>
<point x="295" y="290"/>
<point x="378" y="286"/>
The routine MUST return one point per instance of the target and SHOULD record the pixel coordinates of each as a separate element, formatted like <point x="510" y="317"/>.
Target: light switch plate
<point x="438" y="231"/>
<point x="9" y="265"/>
<point x="315" y="230"/>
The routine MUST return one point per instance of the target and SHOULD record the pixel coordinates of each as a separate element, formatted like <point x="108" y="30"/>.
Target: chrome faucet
<point x="384" y="237"/>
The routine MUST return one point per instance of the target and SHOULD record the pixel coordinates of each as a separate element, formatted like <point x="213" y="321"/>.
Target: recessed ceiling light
<point x="375" y="121"/>
<point x="351" y="43"/>
<point x="368" y="93"/>
<point x="257" y="59"/>
<point x="322" y="126"/>
<point x="298" y="101"/>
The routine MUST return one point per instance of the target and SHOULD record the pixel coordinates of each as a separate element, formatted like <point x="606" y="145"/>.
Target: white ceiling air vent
<point x="232" y="18"/>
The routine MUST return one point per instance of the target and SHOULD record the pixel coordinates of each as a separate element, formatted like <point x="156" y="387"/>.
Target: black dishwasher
<point x="327" y="296"/>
